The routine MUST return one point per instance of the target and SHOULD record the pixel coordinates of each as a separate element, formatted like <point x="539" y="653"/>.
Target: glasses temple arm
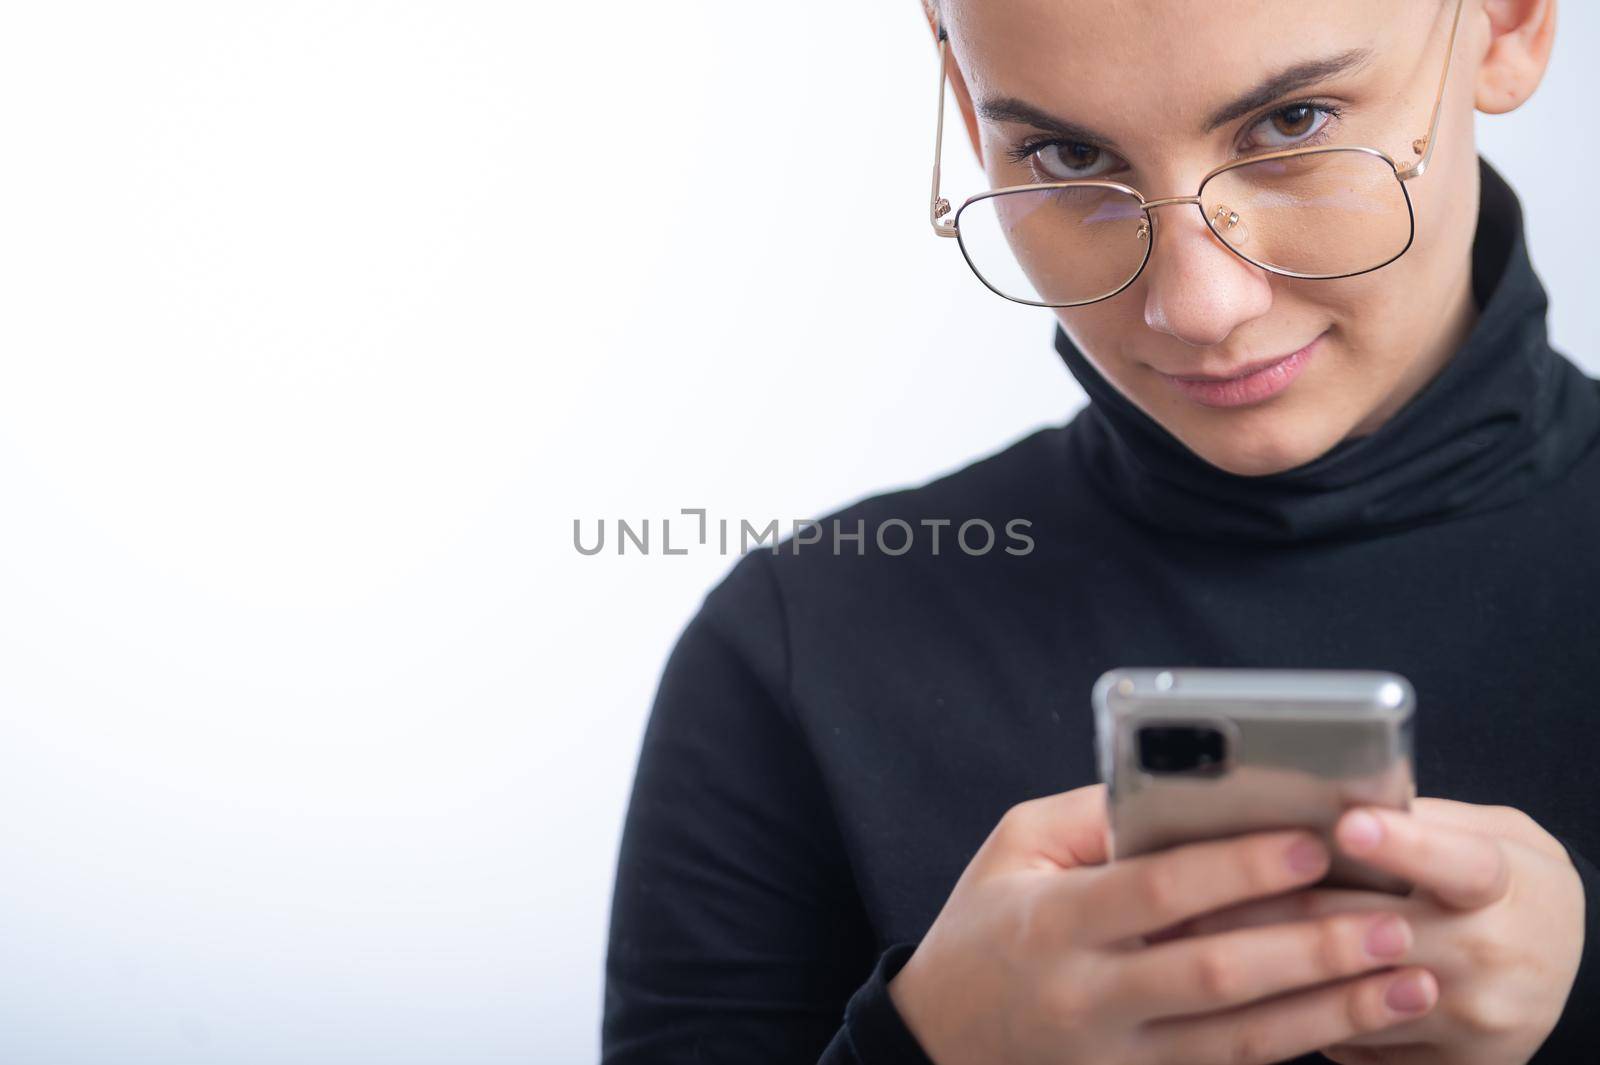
<point x="938" y="206"/>
<point x="1424" y="145"/>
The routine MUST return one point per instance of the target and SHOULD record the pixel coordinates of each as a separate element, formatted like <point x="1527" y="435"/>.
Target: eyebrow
<point x="1270" y="88"/>
<point x="1286" y="81"/>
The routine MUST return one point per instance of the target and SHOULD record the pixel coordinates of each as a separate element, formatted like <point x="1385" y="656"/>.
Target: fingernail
<point x="1360" y="831"/>
<point x="1409" y="994"/>
<point x="1388" y="937"/>
<point x="1307" y="856"/>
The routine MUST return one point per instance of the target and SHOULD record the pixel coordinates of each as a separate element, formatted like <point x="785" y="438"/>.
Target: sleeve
<point x="737" y="933"/>
<point x="1576" y="1036"/>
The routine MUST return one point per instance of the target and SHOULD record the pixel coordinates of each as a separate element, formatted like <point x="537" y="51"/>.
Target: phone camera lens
<point x="1195" y="749"/>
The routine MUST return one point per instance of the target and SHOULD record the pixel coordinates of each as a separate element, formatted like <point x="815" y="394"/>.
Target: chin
<point x="1255" y="451"/>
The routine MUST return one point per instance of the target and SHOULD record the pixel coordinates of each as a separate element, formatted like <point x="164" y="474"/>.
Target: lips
<point x="1234" y="375"/>
<point x="1247" y="384"/>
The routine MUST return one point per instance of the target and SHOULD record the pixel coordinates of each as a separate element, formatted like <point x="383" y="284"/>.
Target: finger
<point x="1507" y="822"/>
<point x="1430" y="1029"/>
<point x="1297" y="1024"/>
<point x="1461" y="869"/>
<point x="1408" y="1050"/>
<point x="1060" y="831"/>
<point x="1214" y="972"/>
<point x="1302" y="905"/>
<point x="1434" y="1028"/>
<point x="1154" y="891"/>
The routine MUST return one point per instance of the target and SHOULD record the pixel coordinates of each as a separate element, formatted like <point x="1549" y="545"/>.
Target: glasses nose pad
<point x="1230" y="226"/>
<point x="1143" y="232"/>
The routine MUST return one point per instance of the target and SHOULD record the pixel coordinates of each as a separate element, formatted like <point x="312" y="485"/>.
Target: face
<point x="1146" y="76"/>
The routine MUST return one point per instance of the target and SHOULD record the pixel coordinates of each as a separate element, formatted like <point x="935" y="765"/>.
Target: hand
<point x="1498" y="912"/>
<point x="1039" y="955"/>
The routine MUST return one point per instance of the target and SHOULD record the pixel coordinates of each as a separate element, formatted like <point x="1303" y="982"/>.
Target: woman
<point x="864" y="826"/>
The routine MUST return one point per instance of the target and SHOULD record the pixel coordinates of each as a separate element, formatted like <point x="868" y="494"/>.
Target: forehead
<point x="1137" y="62"/>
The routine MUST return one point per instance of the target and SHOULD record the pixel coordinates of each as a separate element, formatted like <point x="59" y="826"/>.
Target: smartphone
<point x="1197" y="753"/>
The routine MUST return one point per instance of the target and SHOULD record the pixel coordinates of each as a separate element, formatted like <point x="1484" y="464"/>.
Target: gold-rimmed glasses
<point x="1320" y="212"/>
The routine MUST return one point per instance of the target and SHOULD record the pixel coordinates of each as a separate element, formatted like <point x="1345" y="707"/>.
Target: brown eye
<point x="1294" y="126"/>
<point x="1294" y="121"/>
<point x="1076" y="155"/>
<point x="1064" y="160"/>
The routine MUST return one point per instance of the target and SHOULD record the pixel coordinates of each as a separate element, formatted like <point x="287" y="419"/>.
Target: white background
<point x="320" y="323"/>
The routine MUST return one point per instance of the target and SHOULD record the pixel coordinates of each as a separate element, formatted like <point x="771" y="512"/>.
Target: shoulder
<point x="1021" y="476"/>
<point x="897" y="544"/>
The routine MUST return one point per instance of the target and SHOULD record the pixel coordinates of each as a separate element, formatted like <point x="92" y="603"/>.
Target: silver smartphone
<point x="1196" y="753"/>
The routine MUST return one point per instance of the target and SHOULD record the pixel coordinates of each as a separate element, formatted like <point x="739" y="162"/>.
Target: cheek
<point x="1368" y="317"/>
<point x="1373" y="324"/>
<point x="1111" y="334"/>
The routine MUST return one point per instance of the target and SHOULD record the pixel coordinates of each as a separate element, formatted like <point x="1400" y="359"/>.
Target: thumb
<point x="1063" y="830"/>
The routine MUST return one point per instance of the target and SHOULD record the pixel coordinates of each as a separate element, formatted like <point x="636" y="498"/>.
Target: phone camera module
<point x="1192" y="749"/>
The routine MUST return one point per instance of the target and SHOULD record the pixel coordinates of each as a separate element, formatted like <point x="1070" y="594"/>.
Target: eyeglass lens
<point x="1320" y="214"/>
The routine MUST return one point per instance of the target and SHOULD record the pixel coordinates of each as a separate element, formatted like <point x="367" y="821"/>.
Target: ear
<point x="958" y="83"/>
<point x="1521" y="36"/>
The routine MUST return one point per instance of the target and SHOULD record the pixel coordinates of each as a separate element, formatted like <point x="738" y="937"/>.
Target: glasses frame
<point x="938" y="206"/>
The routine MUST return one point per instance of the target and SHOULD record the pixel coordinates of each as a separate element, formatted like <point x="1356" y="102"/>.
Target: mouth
<point x="1247" y="384"/>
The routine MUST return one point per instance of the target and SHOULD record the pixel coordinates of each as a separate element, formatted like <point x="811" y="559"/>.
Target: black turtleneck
<point x="1505" y="417"/>
<point x="842" y="722"/>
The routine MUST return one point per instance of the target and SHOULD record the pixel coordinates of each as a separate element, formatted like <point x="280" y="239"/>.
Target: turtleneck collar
<point x="1507" y="415"/>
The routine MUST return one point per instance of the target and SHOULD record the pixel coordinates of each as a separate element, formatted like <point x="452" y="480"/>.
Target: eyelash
<point x="1028" y="148"/>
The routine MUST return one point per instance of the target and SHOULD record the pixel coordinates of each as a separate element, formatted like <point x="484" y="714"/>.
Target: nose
<point x="1195" y="287"/>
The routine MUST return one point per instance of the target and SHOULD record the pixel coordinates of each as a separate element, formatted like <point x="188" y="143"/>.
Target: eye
<point x="1059" y="160"/>
<point x="1295" y="125"/>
